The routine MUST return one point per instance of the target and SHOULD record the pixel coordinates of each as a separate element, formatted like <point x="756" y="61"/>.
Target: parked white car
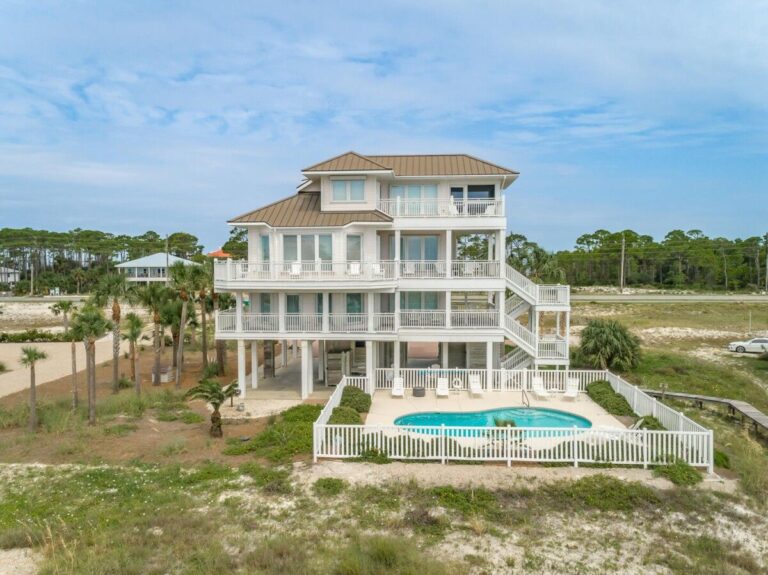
<point x="754" y="345"/>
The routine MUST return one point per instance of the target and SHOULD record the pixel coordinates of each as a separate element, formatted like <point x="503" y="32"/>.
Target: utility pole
<point x="621" y="274"/>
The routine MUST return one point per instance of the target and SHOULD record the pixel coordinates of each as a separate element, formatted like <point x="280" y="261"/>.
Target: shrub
<point x="344" y="416"/>
<point x="722" y="460"/>
<point x="679" y="473"/>
<point x="375" y="555"/>
<point x="329" y="486"/>
<point x="120" y="429"/>
<point x="268" y="479"/>
<point x="651" y="423"/>
<point x="602" y="393"/>
<point x="607" y="344"/>
<point x="356" y="398"/>
<point x="374" y="455"/>
<point x="304" y="412"/>
<point x="210" y="371"/>
<point x="34" y="336"/>
<point x="3" y="369"/>
<point x="191" y="417"/>
<point x="763" y="356"/>
<point x="124" y="383"/>
<point x="603" y="493"/>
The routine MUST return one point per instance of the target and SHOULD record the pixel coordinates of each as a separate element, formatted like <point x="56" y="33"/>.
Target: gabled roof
<point x="157" y="260"/>
<point x="303" y="211"/>
<point x="413" y="165"/>
<point x="347" y="162"/>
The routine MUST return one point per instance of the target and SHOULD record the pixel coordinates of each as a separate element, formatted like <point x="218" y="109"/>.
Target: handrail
<point x="526" y="401"/>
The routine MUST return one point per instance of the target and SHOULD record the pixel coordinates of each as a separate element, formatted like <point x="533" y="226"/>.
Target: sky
<point x="162" y="115"/>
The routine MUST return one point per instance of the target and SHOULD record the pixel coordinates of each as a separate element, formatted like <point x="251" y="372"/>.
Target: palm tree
<point x="185" y="280"/>
<point x="212" y="392"/>
<point x="88" y="326"/>
<point x="170" y="317"/>
<point x="205" y="283"/>
<point x="78" y="274"/>
<point x="134" y="325"/>
<point x="64" y="308"/>
<point x="114" y="287"/>
<point x="29" y="357"/>
<point x="609" y="344"/>
<point x="153" y="297"/>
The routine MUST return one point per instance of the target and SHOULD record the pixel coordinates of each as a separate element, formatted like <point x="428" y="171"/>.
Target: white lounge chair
<point x="474" y="385"/>
<point x="452" y="209"/>
<point x="442" y="387"/>
<point x="398" y="387"/>
<point x="354" y="268"/>
<point x="295" y="269"/>
<point x="571" y="388"/>
<point x="538" y="388"/>
<point x="490" y="210"/>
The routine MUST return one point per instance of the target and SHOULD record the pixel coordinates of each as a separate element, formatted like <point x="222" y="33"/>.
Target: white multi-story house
<point x="370" y="255"/>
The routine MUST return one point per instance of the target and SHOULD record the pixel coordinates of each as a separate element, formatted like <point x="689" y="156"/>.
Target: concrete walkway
<point x="58" y="364"/>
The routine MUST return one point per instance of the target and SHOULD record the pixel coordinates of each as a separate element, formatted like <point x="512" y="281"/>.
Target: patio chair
<point x="398" y="387"/>
<point x="490" y="210"/>
<point x="452" y="209"/>
<point x="295" y="269"/>
<point x="474" y="385"/>
<point x="354" y="268"/>
<point x="571" y="388"/>
<point x="538" y="388"/>
<point x="442" y="387"/>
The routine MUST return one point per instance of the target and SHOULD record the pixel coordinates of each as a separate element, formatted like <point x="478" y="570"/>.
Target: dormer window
<point x="348" y="190"/>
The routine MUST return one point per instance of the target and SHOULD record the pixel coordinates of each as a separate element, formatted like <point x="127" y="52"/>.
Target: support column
<point x="284" y="352"/>
<point x="397" y="253"/>
<point x="294" y="350"/>
<point x="369" y="370"/>
<point x="448" y="253"/>
<point x="397" y="311"/>
<point x="444" y="354"/>
<point x="369" y="309"/>
<point x="501" y="251"/>
<point x="326" y="313"/>
<point x="500" y="303"/>
<point x="238" y="311"/>
<point x="241" y="367"/>
<point x="396" y="359"/>
<point x="448" y="309"/>
<point x="306" y="369"/>
<point x="254" y="364"/>
<point x="488" y="365"/>
<point x="281" y="307"/>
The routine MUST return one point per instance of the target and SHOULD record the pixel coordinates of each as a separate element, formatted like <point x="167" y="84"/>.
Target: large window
<point x="307" y="248"/>
<point x="418" y="248"/>
<point x="354" y="248"/>
<point x="421" y="300"/>
<point x="481" y="192"/>
<point x="354" y="303"/>
<point x="292" y="303"/>
<point x="348" y="190"/>
<point x="264" y="248"/>
<point x="415" y="199"/>
<point x="266" y="303"/>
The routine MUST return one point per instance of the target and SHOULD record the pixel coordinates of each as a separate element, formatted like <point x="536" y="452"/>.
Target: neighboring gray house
<point x="9" y="276"/>
<point x="150" y="268"/>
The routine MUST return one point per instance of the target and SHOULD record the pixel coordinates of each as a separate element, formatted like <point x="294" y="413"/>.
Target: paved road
<point x="42" y="299"/>
<point x="663" y="298"/>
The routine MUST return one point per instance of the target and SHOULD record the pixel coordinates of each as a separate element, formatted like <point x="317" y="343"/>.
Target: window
<point x="354" y="303"/>
<point x="481" y="192"/>
<point x="417" y="300"/>
<point x="319" y="304"/>
<point x="266" y="303"/>
<point x="307" y="247"/>
<point x="292" y="303"/>
<point x="416" y="199"/>
<point x="354" y="248"/>
<point x="290" y="248"/>
<point x="348" y="190"/>
<point x="457" y="194"/>
<point x="264" y="248"/>
<point x="418" y="248"/>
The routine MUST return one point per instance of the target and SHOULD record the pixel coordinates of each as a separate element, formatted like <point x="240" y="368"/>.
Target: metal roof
<point x="157" y="260"/>
<point x="303" y="211"/>
<point x="415" y="165"/>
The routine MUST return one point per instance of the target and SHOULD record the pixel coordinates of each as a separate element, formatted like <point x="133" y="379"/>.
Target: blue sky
<point x="128" y="116"/>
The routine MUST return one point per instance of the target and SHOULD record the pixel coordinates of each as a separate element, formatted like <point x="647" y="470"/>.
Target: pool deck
<point x="385" y="408"/>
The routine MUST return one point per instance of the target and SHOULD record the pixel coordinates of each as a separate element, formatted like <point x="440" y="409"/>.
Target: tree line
<point x="74" y="261"/>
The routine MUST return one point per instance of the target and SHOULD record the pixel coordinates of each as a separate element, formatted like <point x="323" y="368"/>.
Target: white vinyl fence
<point x="684" y="439"/>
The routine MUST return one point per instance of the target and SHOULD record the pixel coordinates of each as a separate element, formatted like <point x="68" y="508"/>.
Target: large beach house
<point x="374" y="255"/>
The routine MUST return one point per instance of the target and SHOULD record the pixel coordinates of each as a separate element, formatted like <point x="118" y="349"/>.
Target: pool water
<point x="522" y="416"/>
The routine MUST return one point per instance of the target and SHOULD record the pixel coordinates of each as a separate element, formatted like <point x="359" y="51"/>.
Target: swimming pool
<point x="522" y="416"/>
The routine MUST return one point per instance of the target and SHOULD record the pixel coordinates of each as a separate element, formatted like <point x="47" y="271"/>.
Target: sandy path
<point x="58" y="364"/>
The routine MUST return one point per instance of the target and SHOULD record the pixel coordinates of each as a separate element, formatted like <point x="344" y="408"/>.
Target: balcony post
<point x="488" y="365"/>
<point x="397" y="311"/>
<point x="238" y="311"/>
<point x="254" y="364"/>
<point x="448" y="253"/>
<point x="396" y="358"/>
<point x="448" y="309"/>
<point x="241" y="367"/>
<point x="501" y="252"/>
<point x="369" y="306"/>
<point x="326" y="314"/>
<point x="229" y="269"/>
<point x="397" y="252"/>
<point x="281" y="307"/>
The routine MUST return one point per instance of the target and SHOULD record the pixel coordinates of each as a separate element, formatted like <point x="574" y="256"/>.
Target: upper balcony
<point x="441" y="208"/>
<point x="244" y="275"/>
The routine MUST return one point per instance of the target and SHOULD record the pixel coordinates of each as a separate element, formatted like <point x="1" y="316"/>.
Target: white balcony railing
<point x="441" y="208"/>
<point x="228" y="270"/>
<point x="422" y="318"/>
<point x="479" y="318"/>
<point x="235" y="271"/>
